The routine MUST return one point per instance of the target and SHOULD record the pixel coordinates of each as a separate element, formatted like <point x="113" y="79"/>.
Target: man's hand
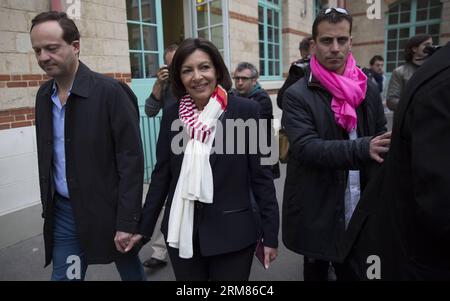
<point x="380" y="145"/>
<point x="121" y="240"/>
<point x="162" y="75"/>
<point x="269" y="255"/>
<point x="133" y="241"/>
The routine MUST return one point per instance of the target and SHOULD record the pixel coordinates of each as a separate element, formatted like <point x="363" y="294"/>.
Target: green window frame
<point x="269" y="39"/>
<point x="320" y="4"/>
<point x="210" y="22"/>
<point x="144" y="37"/>
<point x="405" y="19"/>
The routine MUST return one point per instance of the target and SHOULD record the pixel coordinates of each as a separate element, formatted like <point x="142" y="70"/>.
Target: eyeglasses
<point x="337" y="9"/>
<point x="242" y="78"/>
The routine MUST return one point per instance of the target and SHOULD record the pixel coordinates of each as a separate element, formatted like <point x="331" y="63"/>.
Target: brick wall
<point x="15" y="118"/>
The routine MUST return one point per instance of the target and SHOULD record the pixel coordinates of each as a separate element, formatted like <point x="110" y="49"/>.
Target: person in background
<point x="162" y="92"/>
<point x="297" y="69"/>
<point x="414" y="58"/>
<point x="247" y="85"/>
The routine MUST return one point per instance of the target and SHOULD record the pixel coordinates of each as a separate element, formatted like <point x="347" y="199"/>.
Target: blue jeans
<point x="69" y="262"/>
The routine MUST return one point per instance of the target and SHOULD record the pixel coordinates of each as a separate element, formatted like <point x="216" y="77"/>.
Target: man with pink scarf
<point x="336" y="126"/>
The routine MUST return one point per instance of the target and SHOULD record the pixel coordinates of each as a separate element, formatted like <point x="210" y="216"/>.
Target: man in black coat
<point x="247" y="86"/>
<point x="329" y="163"/>
<point x="405" y="211"/>
<point x="89" y="155"/>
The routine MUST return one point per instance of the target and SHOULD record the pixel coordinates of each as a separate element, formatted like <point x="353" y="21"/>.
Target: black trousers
<point x="229" y="266"/>
<point x="317" y="270"/>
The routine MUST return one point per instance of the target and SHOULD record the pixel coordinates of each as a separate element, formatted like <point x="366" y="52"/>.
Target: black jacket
<point x="320" y="155"/>
<point x="404" y="215"/>
<point x="296" y="72"/>
<point x="104" y="162"/>
<point x="266" y="113"/>
<point x="228" y="224"/>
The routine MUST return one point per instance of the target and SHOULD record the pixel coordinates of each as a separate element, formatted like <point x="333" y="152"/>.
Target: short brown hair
<point x="70" y="30"/>
<point x="186" y="48"/>
<point x="333" y="16"/>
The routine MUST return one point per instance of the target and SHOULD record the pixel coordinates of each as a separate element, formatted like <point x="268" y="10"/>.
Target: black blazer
<point x="104" y="161"/>
<point x="404" y="214"/>
<point x="228" y="224"/>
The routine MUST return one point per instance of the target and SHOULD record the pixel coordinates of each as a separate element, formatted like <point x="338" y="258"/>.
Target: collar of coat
<point x="82" y="83"/>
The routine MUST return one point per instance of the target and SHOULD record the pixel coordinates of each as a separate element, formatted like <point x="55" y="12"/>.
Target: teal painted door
<point x="145" y="37"/>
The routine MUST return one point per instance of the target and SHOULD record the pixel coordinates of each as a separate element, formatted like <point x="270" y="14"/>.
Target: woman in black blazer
<point x="209" y="225"/>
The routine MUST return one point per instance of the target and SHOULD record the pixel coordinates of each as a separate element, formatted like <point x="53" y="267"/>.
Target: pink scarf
<point x="348" y="90"/>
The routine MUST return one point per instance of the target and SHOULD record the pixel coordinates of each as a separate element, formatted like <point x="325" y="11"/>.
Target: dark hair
<point x="414" y="41"/>
<point x="186" y="48"/>
<point x="304" y="44"/>
<point x="70" y="30"/>
<point x="376" y="58"/>
<point x="169" y="49"/>
<point x="246" y="65"/>
<point x="333" y="17"/>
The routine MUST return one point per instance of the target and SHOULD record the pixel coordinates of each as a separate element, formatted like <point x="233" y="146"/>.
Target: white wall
<point x="19" y="186"/>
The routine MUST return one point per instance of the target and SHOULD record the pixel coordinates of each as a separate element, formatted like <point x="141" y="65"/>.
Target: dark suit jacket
<point x="228" y="224"/>
<point x="404" y="215"/>
<point x="104" y="161"/>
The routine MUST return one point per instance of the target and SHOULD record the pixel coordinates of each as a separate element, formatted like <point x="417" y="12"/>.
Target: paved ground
<point x="25" y="260"/>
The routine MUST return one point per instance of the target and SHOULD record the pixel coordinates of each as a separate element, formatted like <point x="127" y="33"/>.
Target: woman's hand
<point x="269" y="255"/>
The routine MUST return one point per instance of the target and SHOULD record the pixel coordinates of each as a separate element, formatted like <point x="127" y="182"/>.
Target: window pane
<point x="148" y="11"/>
<point x="150" y="40"/>
<point x="203" y="34"/>
<point x="134" y="37"/>
<point x="393" y="19"/>
<point x="392" y="45"/>
<point x="270" y="34"/>
<point x="392" y="34"/>
<point x="132" y="10"/>
<point x="404" y="33"/>
<point x="202" y="16"/>
<point x="277" y="68"/>
<point x="391" y="56"/>
<point x="270" y="68"/>
<point x="422" y="4"/>
<point x="216" y="12"/>
<point x="151" y="65"/>
<point x="435" y="13"/>
<point x="421" y="29"/>
<point x="405" y="6"/>
<point x="261" y="50"/>
<point x="277" y="51"/>
<point x="421" y="14"/>
<point x="270" y="47"/>
<point x="217" y="36"/>
<point x="394" y="8"/>
<point x="390" y="67"/>
<point x="276" y="35"/>
<point x="136" y="65"/>
<point x="405" y="17"/>
<point x="269" y="17"/>
<point x="402" y="43"/>
<point x="260" y="14"/>
<point x="434" y="29"/>
<point x="262" y="69"/>
<point x="435" y="2"/>
<point x="261" y="32"/>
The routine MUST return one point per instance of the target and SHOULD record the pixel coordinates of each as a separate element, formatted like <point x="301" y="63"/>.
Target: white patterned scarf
<point x="195" y="182"/>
